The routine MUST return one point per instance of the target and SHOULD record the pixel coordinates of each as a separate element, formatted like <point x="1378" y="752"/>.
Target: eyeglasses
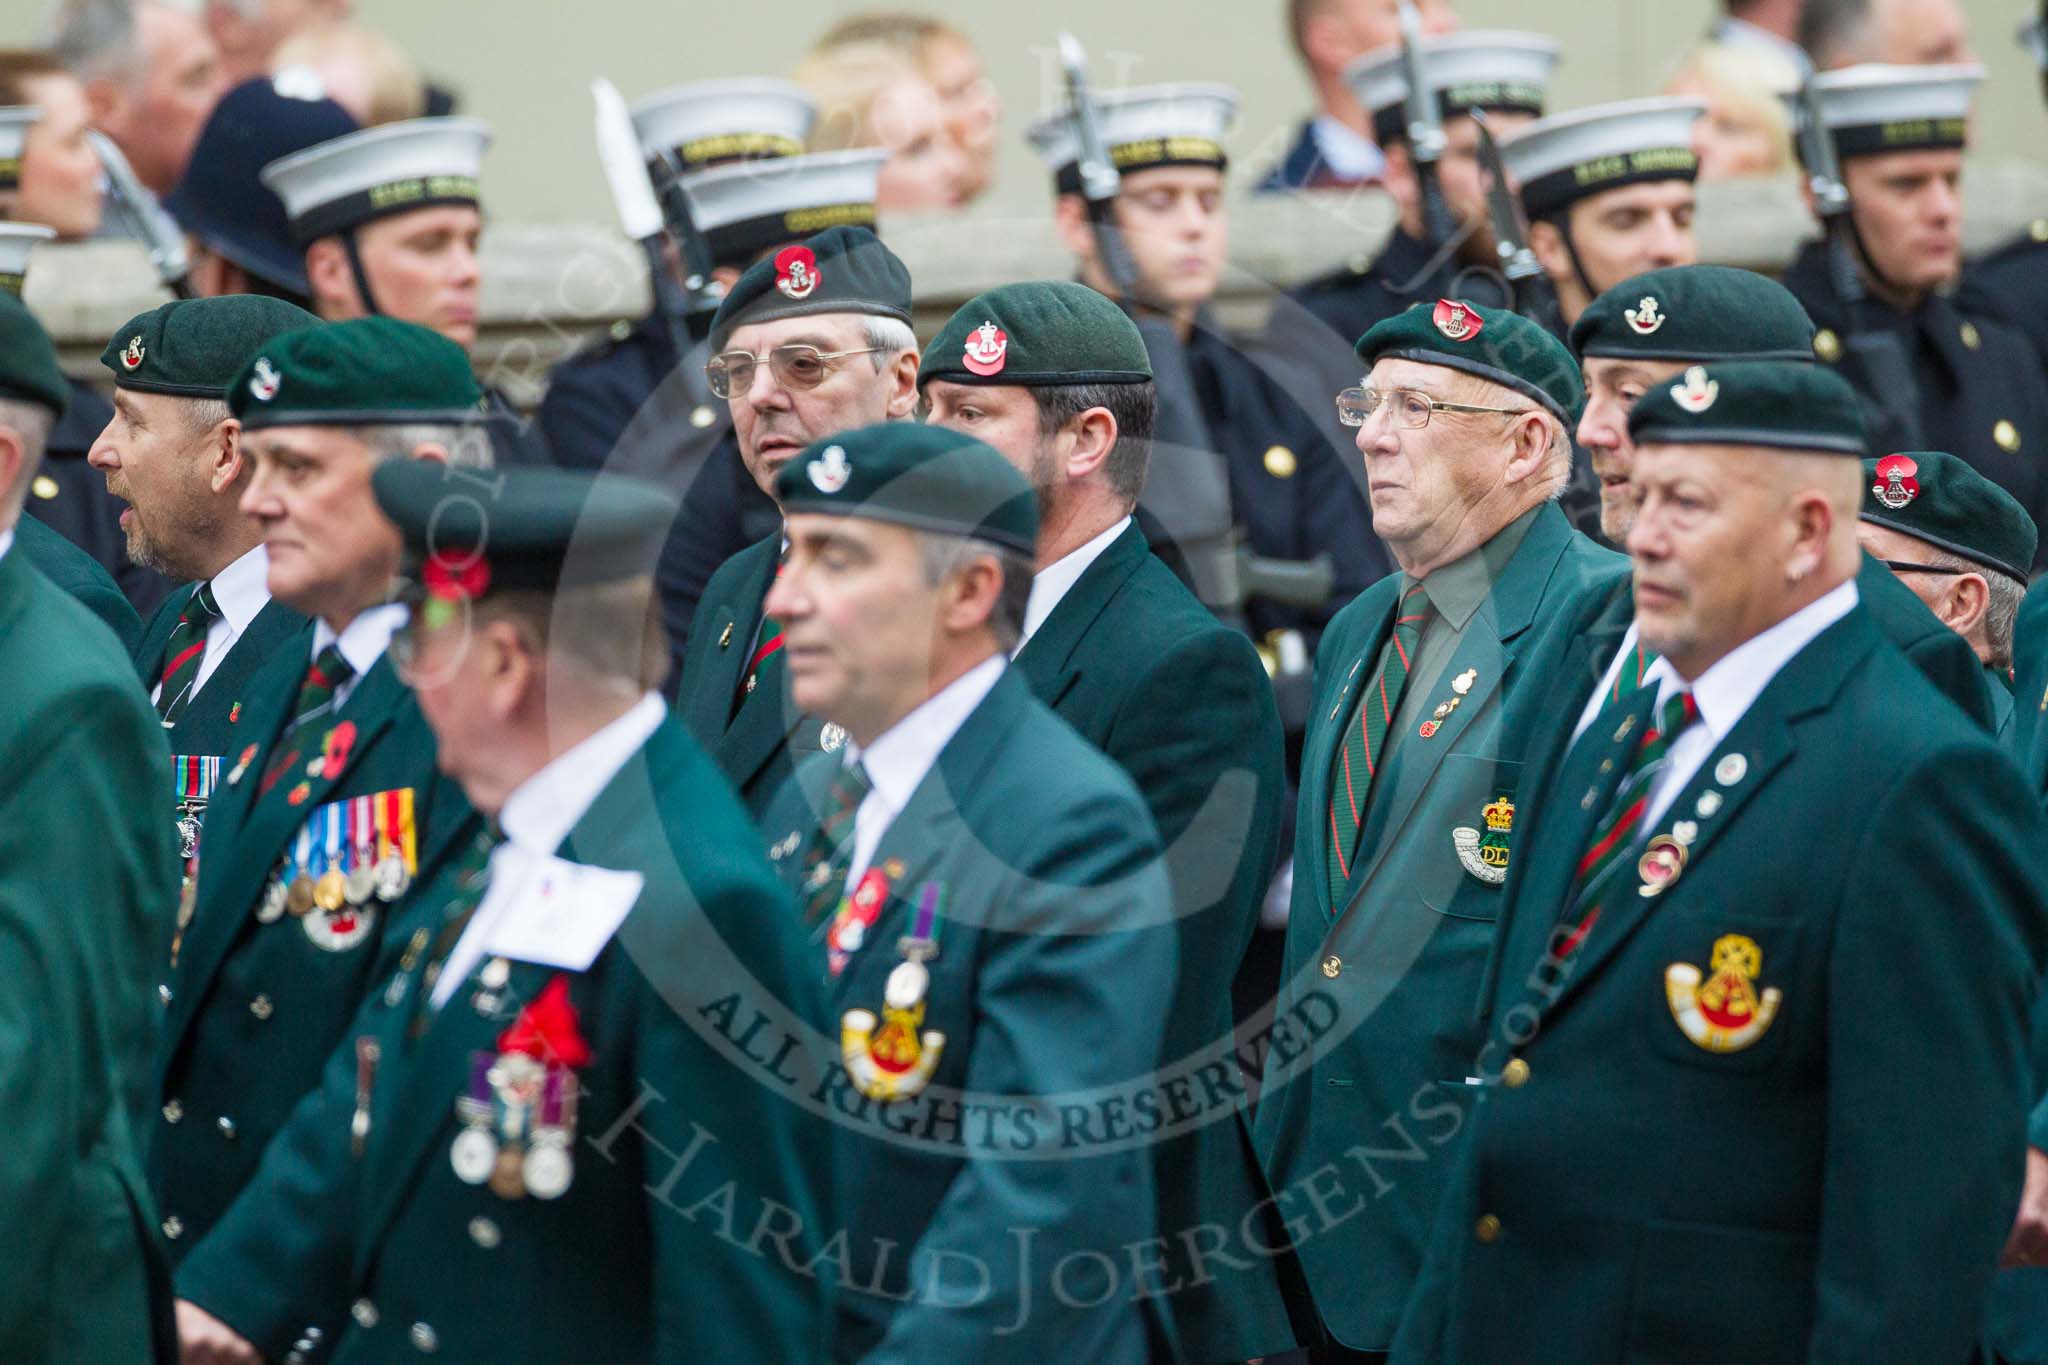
<point x="1907" y="566"/>
<point x="1411" y="408"/>
<point x="794" y="367"/>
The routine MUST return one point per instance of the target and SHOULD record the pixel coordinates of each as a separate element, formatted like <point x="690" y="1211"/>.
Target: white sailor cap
<point x="15" y="121"/>
<point x="392" y="168"/>
<point x="708" y="123"/>
<point x="1142" y="128"/>
<point x="1560" y="160"/>
<point x="1494" y="70"/>
<point x="17" y="240"/>
<point x="748" y="207"/>
<point x="1873" y="108"/>
<point x="2033" y="36"/>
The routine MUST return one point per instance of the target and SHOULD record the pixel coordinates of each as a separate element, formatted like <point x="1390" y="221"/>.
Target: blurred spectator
<point x="948" y="60"/>
<point x="60" y="175"/>
<point x="1746" y="130"/>
<point x="249" y="32"/>
<point x="240" y="238"/>
<point x="358" y="68"/>
<point x="869" y="96"/>
<point x="1837" y="33"/>
<point x="151" y="76"/>
<point x="1770" y="27"/>
<point x="1334" y="148"/>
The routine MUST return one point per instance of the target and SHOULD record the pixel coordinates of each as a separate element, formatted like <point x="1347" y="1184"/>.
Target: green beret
<point x="194" y="348"/>
<point x="841" y="270"/>
<point x="1931" y="495"/>
<point x="927" y="478"/>
<point x="28" y="361"/>
<point x="1042" y="333"/>
<point x="1695" y="313"/>
<point x="532" y="529"/>
<point x="1778" y="403"/>
<point x="1492" y="343"/>
<point x="368" y="372"/>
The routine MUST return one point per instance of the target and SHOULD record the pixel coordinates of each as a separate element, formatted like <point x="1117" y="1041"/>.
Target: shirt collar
<point x="1050" y="585"/>
<point x="1456" y="589"/>
<point x="901" y="755"/>
<point x="540" y="812"/>
<point x="1346" y="151"/>
<point x="242" y="589"/>
<point x="1727" y="690"/>
<point x="6" y="541"/>
<point x="366" y="638"/>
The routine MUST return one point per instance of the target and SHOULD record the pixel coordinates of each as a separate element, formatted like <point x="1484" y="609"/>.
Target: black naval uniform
<point x="2011" y="284"/>
<point x="1351" y="298"/>
<point x="617" y="405"/>
<point x="70" y="497"/>
<point x="1983" y="388"/>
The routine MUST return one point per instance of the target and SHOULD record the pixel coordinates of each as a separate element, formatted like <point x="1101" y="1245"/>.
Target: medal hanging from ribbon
<point x="337" y="922"/>
<point x="518" y="1116"/>
<point x="896" y="1060"/>
<point x="193" y="777"/>
<point x="396" y="844"/>
<point x="856" y="915"/>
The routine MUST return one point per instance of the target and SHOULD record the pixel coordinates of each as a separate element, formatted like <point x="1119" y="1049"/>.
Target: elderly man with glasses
<point x="1428" y="689"/>
<point x="811" y="341"/>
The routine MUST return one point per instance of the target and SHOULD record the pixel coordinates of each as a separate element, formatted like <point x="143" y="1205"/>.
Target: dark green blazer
<point x="757" y="746"/>
<point x="211" y="722"/>
<point x="80" y="575"/>
<point x="1397" y="966"/>
<point x="1052" y="984"/>
<point x="691" y="1132"/>
<point x="86" y="874"/>
<point x="252" y="1010"/>
<point x="1943" y="656"/>
<point x="1141" y="669"/>
<point x="2030" y="688"/>
<point x="1617" y="1175"/>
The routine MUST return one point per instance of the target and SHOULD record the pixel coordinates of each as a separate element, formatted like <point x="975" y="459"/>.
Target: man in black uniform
<point x="1291" y="493"/>
<point x="2012" y="282"/>
<point x="1504" y="76"/>
<point x="388" y="220"/>
<point x="1981" y="393"/>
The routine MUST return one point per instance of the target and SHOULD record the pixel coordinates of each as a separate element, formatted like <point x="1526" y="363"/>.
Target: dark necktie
<point x="1600" y="866"/>
<point x="184" y="653"/>
<point x="1358" y="757"/>
<point x="315" y="701"/>
<point x="830" y="852"/>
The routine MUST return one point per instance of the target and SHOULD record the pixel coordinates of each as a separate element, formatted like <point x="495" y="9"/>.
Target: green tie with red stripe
<point x="1600" y="867"/>
<point x="316" y="696"/>
<point x="184" y="652"/>
<point x="1358" y="757"/>
<point x="1628" y="680"/>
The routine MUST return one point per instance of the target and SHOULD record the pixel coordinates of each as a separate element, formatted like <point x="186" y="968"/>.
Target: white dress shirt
<point x="241" y="590"/>
<point x="1050" y="585"/>
<point x="901" y="756"/>
<point x="1346" y="151"/>
<point x="362" y="644"/>
<point x="537" y="816"/>
<point x="7" y="540"/>
<point x="1726" y="691"/>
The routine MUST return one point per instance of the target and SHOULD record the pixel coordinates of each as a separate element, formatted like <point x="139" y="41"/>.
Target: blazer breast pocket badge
<point x="893" y="1058"/>
<point x="1484" y="853"/>
<point x="1726" y="1012"/>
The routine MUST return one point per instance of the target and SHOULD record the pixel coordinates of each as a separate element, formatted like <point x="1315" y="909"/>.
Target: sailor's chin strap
<point x="1561" y="220"/>
<point x="355" y="267"/>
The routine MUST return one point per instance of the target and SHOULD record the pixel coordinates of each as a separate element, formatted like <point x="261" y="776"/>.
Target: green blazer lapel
<point x="1738" y="768"/>
<point x="414" y="1097"/>
<point x="156" y="636"/>
<point x="272" y="629"/>
<point x="730" y="641"/>
<point x="1594" y="647"/>
<point x="929" y="825"/>
<point x="1048" y="658"/>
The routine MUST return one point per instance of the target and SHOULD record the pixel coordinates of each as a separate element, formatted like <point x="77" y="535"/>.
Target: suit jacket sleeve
<point x="1052" y="982"/>
<point x="1932" y="975"/>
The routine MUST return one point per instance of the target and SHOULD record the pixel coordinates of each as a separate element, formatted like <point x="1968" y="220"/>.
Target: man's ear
<point x="105" y="102"/>
<point x="13" y="454"/>
<point x="431" y="450"/>
<point x="1548" y="244"/>
<point x="1094" y="434"/>
<point x="903" y="377"/>
<point x="1964" y="604"/>
<point x="1529" y="447"/>
<point x="1070" y="221"/>
<point x="1813" y="526"/>
<point x="228" y="467"/>
<point x="971" y="594"/>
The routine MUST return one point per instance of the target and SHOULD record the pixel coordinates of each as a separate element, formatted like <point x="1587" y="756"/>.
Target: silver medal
<point x="548" y="1167"/>
<point x="474" y="1154"/>
<point x="271" y="908"/>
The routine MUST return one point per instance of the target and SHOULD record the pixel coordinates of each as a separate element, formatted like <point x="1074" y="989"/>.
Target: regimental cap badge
<point x="1457" y="320"/>
<point x="1644" y="318"/>
<point x="1726" y="1012"/>
<point x="1895" y="486"/>
<point x="1499" y="814"/>
<point x="131" y="354"/>
<point x="987" y="348"/>
<point x="830" y="471"/>
<point x="1697" y="392"/>
<point x="266" y="381"/>
<point x="796" y="271"/>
